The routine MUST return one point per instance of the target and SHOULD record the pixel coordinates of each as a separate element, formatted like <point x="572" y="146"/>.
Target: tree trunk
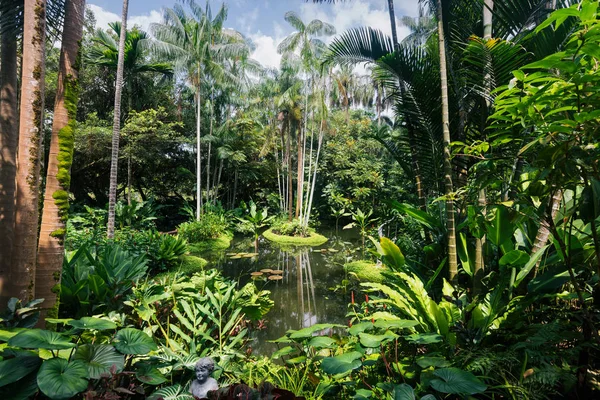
<point x="212" y="107"/>
<point x="543" y="233"/>
<point x="314" y="179"/>
<point x="56" y="205"/>
<point x="9" y="134"/>
<point x="198" y="151"/>
<point x="114" y="161"/>
<point x="300" y="173"/>
<point x="288" y="151"/>
<point x="393" y="23"/>
<point x="450" y="223"/>
<point x="21" y="279"/>
<point x="479" y="272"/>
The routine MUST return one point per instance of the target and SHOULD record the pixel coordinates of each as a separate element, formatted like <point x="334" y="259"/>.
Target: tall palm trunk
<point x="114" y="161"/>
<point x="543" y="233"/>
<point x="393" y="22"/>
<point x="21" y="279"/>
<point x="199" y="205"/>
<point x="9" y="134"/>
<point x="300" y="173"/>
<point x="56" y="204"/>
<point x="481" y="199"/>
<point x="212" y="108"/>
<point x="450" y="223"/>
<point x="288" y="154"/>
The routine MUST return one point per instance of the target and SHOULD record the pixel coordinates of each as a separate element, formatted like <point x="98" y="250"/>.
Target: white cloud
<point x="103" y="18"/>
<point x="266" y="50"/>
<point x="358" y="13"/>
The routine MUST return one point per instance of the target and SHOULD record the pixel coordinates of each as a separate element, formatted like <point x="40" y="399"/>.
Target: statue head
<point x="204" y="367"/>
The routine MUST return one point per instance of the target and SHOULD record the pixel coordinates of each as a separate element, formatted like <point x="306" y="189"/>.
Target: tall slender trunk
<point x="129" y="172"/>
<point x="198" y="151"/>
<point x="479" y="272"/>
<point x="393" y="23"/>
<point x="212" y="108"/>
<point x="219" y="179"/>
<point x="300" y="173"/>
<point x="56" y="202"/>
<point x="288" y="151"/>
<point x="9" y="135"/>
<point x="114" y="161"/>
<point x="21" y="279"/>
<point x="314" y="179"/>
<point x="450" y="223"/>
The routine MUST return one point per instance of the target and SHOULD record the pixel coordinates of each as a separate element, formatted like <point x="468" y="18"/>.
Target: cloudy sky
<point x="262" y="20"/>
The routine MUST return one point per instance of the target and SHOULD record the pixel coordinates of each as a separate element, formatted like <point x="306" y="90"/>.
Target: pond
<point x="305" y="296"/>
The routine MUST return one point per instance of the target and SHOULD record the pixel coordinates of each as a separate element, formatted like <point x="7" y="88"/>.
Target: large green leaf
<point x="134" y="341"/>
<point x="457" y="381"/>
<point x="150" y="376"/>
<point x="60" y="379"/>
<point x="514" y="258"/>
<point x="369" y="340"/>
<point x="23" y="389"/>
<point x="404" y="392"/>
<point x="342" y="364"/>
<point x="392" y="254"/>
<point x="322" y="342"/>
<point x="529" y="265"/>
<point x="13" y="369"/>
<point x="40" y="339"/>
<point x="308" y="332"/>
<point x="500" y="229"/>
<point x="92" y="323"/>
<point x="420" y="216"/>
<point x="100" y="359"/>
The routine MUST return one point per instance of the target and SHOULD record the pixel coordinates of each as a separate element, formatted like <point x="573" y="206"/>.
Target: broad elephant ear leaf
<point x="175" y="392"/>
<point x="100" y="359"/>
<point x="404" y="392"/>
<point x="14" y="369"/>
<point x="342" y="364"/>
<point x="40" y="339"/>
<point x="134" y="341"/>
<point x="92" y="323"/>
<point x="457" y="381"/>
<point x="60" y="379"/>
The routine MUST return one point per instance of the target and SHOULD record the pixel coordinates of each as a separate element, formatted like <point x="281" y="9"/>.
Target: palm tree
<point x="304" y="41"/>
<point x="198" y="43"/>
<point x="8" y="133"/>
<point x="21" y="276"/>
<point x="114" y="161"/>
<point x="105" y="53"/>
<point x="56" y="204"/>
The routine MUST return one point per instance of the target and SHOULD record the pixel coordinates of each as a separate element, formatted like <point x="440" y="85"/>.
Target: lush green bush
<point x="290" y="228"/>
<point x="210" y="226"/>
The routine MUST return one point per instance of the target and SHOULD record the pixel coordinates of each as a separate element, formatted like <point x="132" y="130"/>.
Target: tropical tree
<point x="198" y="44"/>
<point x="114" y="161"/>
<point x="105" y="53"/>
<point x="56" y="200"/>
<point x="21" y="276"/>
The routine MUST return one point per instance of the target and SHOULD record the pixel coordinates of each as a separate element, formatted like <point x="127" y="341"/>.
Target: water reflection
<point x="302" y="298"/>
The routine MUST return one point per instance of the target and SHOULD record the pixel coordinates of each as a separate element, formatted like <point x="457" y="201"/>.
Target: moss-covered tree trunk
<point x="21" y="279"/>
<point x="9" y="134"/>
<point x="58" y="178"/>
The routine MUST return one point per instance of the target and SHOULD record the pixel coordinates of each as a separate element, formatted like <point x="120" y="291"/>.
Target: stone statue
<point x="203" y="382"/>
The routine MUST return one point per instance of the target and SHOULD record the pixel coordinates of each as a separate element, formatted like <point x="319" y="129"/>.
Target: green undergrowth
<point x="221" y="243"/>
<point x="314" y="239"/>
<point x="189" y="265"/>
<point x="366" y="271"/>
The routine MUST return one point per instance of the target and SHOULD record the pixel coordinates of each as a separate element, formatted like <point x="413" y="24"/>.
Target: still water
<point x="305" y="295"/>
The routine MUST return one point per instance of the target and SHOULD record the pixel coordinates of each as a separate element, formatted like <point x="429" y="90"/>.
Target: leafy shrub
<point x="210" y="226"/>
<point x="95" y="282"/>
<point x="290" y="228"/>
<point x="90" y="357"/>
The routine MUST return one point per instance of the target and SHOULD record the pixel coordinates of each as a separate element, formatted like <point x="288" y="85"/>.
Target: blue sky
<point x="262" y="20"/>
